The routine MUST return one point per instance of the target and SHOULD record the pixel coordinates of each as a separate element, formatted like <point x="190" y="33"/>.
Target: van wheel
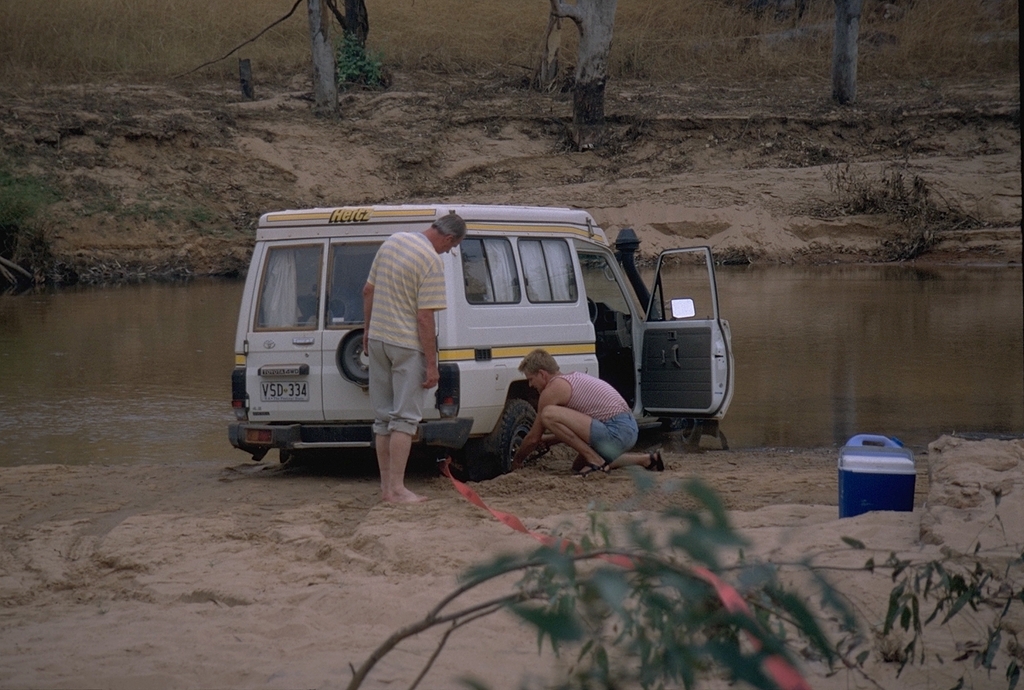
<point x="491" y="456"/>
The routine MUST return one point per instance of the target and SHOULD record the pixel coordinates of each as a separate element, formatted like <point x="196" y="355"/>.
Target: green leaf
<point x="612" y="586"/>
<point x="473" y="683"/>
<point x="807" y="623"/>
<point x="831" y="597"/>
<point x="601" y="660"/>
<point x="749" y="668"/>
<point x="499" y="565"/>
<point x="695" y="547"/>
<point x="855" y="543"/>
<point x="1012" y="674"/>
<point x="994" y="640"/>
<point x="894" y="608"/>
<point x="707" y="497"/>
<point x="961" y="601"/>
<point x="561" y="625"/>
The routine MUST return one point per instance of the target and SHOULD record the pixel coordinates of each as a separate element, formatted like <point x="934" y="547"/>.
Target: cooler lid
<point x="876" y="460"/>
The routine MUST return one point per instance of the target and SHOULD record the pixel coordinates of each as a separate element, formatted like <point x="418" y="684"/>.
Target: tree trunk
<point x="325" y="82"/>
<point x="357" y="21"/>
<point x="595" y="20"/>
<point x="844" y="51"/>
<point x="547" y="71"/>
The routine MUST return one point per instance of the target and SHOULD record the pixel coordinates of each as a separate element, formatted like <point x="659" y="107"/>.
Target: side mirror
<point x="682" y="308"/>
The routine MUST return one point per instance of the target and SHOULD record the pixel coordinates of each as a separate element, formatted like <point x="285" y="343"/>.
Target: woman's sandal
<point x="589" y="468"/>
<point x="655" y="464"/>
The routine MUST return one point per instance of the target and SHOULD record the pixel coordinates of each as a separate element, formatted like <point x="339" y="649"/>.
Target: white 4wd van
<point x="522" y="278"/>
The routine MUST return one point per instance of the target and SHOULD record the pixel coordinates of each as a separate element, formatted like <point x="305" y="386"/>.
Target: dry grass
<point x="699" y="40"/>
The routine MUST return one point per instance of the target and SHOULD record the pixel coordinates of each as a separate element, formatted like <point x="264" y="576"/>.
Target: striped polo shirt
<point x="594" y="397"/>
<point x="407" y="275"/>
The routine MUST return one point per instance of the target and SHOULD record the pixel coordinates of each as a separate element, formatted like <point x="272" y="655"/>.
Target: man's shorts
<point x="613" y="437"/>
<point x="396" y="388"/>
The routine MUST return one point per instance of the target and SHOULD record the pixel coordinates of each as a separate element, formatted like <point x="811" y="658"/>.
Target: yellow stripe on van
<point x="468" y="354"/>
<point x="327" y="214"/>
<point x="534" y="228"/>
<point x="405" y="212"/>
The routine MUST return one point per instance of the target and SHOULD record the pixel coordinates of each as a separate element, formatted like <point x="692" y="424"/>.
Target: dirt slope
<point x="169" y="179"/>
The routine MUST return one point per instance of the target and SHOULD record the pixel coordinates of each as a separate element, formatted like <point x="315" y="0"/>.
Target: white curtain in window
<point x="278" y="304"/>
<point x="537" y="287"/>
<point x="559" y="264"/>
<point x="503" y="271"/>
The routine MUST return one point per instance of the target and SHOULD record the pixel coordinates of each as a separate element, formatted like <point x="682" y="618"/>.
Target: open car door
<point x="686" y="368"/>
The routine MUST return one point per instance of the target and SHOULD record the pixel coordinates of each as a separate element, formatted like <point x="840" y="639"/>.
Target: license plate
<point x="284" y="391"/>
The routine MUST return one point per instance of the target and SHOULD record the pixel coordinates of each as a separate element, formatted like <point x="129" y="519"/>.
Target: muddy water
<point x="825" y="353"/>
<point x="142" y="373"/>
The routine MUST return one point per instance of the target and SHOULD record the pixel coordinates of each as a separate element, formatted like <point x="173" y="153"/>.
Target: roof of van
<point x="359" y="220"/>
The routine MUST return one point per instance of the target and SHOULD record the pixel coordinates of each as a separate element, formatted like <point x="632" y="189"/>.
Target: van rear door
<point x="283" y="366"/>
<point x="686" y="361"/>
<point x="346" y="367"/>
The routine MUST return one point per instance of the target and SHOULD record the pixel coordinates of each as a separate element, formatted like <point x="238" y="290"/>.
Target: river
<point x="142" y="372"/>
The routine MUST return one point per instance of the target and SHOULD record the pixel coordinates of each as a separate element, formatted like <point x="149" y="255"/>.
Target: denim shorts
<point x="613" y="437"/>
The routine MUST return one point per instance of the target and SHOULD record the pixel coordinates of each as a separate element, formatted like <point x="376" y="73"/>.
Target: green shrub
<point x="636" y="603"/>
<point x="358" y="66"/>
<point x="21" y="198"/>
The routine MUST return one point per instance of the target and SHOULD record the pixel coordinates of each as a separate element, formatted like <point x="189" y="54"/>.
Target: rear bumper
<point x="257" y="439"/>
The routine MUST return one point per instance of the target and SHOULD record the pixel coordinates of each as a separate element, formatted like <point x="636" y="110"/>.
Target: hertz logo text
<point x="350" y="215"/>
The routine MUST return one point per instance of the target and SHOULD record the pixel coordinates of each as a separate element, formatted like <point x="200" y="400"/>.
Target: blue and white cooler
<point x="875" y="473"/>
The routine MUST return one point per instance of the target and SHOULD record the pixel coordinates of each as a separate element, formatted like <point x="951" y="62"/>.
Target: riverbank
<point x="168" y="180"/>
<point x="213" y="574"/>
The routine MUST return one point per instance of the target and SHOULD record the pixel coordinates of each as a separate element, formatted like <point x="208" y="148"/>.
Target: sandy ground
<point x="268" y="575"/>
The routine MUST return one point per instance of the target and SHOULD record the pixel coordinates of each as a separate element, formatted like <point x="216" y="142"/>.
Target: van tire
<point x="491" y="456"/>
<point x="350" y="359"/>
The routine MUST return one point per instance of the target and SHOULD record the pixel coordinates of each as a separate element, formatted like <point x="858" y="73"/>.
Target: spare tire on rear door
<point x="352" y="361"/>
<point x="491" y="456"/>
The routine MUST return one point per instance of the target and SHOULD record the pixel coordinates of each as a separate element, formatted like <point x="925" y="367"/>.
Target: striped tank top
<point x="594" y="397"/>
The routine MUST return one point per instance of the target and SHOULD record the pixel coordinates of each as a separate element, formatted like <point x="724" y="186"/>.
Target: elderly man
<point x="403" y="290"/>
<point x="585" y="413"/>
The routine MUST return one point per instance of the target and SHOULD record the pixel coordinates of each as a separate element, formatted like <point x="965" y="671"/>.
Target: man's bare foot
<point x="404" y="496"/>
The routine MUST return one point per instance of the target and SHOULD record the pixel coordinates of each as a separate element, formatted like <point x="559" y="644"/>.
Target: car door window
<point x="547" y="266"/>
<point x="489" y="271"/>
<point x="289" y="297"/>
<point x="350" y="265"/>
<point x="683" y="275"/>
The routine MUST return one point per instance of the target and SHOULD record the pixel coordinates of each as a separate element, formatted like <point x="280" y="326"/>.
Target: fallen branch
<point x="241" y="45"/>
<point x="10" y="264"/>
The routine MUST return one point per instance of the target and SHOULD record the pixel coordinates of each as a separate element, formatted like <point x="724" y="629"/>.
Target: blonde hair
<point x="538" y="360"/>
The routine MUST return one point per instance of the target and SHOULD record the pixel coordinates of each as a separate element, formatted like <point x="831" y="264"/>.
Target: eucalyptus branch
<point x="444" y="639"/>
<point x="476" y="582"/>
<point x="430" y="621"/>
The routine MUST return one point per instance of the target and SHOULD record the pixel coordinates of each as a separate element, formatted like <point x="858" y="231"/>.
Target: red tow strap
<point x="781" y="671"/>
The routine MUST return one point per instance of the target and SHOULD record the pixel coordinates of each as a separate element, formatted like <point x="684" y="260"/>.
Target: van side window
<point x="547" y="266"/>
<point x="290" y="295"/>
<point x="489" y="271"/>
<point x="350" y="265"/>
